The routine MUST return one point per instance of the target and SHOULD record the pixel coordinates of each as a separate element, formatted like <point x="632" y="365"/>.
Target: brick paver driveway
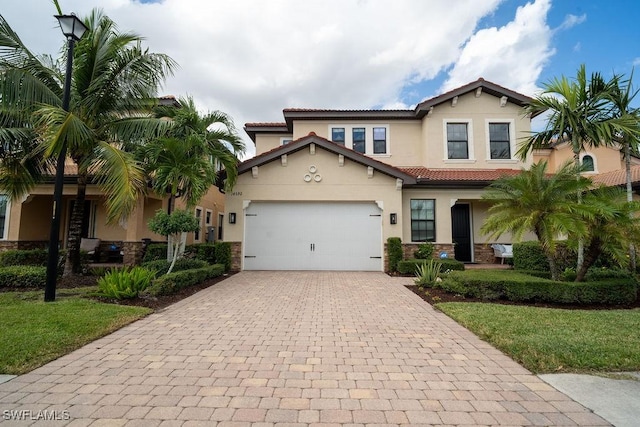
<point x="293" y="348"/>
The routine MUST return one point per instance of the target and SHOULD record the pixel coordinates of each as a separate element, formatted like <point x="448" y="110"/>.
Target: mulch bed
<point x="436" y="296"/>
<point x="155" y="303"/>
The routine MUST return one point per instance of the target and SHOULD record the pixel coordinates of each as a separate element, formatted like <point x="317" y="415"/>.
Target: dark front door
<point x="461" y="231"/>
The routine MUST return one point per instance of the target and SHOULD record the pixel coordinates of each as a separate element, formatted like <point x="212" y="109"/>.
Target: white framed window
<point x="285" y="140"/>
<point x="197" y="235"/>
<point x="458" y="140"/>
<point x="5" y="206"/>
<point x="500" y="140"/>
<point x="588" y="162"/>
<point x="370" y="139"/>
<point x="208" y="217"/>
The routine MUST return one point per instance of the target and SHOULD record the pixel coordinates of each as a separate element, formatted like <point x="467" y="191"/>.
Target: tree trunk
<point x="627" y="166"/>
<point x="170" y="238"/>
<point x="590" y="257"/>
<point x="72" y="264"/>
<point x="576" y="159"/>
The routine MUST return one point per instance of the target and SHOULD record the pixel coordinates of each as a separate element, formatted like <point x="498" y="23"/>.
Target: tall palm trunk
<point x="576" y="159"/>
<point x="72" y="264"/>
<point x="627" y="167"/>
<point x="591" y="256"/>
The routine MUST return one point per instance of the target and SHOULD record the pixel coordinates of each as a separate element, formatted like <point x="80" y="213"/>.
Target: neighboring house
<point x="327" y="188"/>
<point x="27" y="224"/>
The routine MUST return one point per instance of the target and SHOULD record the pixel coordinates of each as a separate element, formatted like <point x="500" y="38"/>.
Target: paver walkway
<point x="292" y="348"/>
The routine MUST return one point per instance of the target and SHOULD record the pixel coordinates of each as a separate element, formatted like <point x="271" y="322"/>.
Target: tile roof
<point x="617" y="177"/>
<point x="423" y="174"/>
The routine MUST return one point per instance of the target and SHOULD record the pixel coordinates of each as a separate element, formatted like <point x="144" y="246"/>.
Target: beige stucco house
<point x="328" y="187"/>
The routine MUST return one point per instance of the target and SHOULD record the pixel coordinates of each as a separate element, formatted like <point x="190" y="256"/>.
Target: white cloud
<point x="253" y="58"/>
<point x="572" y="21"/>
<point x="512" y="56"/>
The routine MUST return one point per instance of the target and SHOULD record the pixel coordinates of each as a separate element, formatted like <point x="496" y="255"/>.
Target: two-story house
<point x="328" y="187"/>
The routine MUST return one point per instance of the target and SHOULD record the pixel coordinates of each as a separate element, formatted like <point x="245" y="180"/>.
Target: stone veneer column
<point x="236" y="256"/>
<point x="132" y="253"/>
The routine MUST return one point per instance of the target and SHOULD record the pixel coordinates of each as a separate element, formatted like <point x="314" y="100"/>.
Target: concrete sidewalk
<point x="291" y="348"/>
<point x="615" y="398"/>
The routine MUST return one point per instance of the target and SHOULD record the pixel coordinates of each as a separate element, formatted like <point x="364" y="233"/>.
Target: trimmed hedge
<point x="171" y="283"/>
<point x="23" y="276"/>
<point x="213" y="253"/>
<point x="394" y="251"/>
<point x="410" y="266"/>
<point x="161" y="266"/>
<point x="155" y="252"/>
<point x="222" y="252"/>
<point x="202" y="251"/>
<point x="515" y="286"/>
<point x="528" y="256"/>
<point x="23" y="257"/>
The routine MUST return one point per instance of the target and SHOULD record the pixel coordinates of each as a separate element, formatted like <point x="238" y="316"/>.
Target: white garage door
<point x="313" y="236"/>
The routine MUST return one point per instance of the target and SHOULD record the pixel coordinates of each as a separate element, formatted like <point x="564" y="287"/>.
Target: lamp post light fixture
<point x="73" y="29"/>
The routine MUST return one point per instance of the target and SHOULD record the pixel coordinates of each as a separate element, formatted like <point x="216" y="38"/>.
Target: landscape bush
<point x="155" y="251"/>
<point x="424" y="251"/>
<point x="161" y="266"/>
<point x="23" y="276"/>
<point x="201" y="251"/>
<point x="394" y="251"/>
<point x="530" y="257"/>
<point x="410" y="266"/>
<point x="125" y="283"/>
<point x="171" y="283"/>
<point x="35" y="257"/>
<point x="222" y="252"/>
<point x="428" y="272"/>
<point x="516" y="286"/>
<point x="213" y="253"/>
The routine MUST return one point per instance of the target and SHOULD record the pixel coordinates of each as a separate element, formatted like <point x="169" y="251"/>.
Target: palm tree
<point x="114" y="87"/>
<point x="581" y="113"/>
<point x="622" y="96"/>
<point x="613" y="225"/>
<point x="539" y="203"/>
<point x="185" y="162"/>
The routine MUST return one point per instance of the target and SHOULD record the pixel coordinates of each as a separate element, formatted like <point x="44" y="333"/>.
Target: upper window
<point x="337" y="135"/>
<point x="379" y="140"/>
<point x="423" y="220"/>
<point x="588" y="164"/>
<point x="457" y="141"/>
<point x="359" y="140"/>
<point x="499" y="141"/>
<point x="4" y="204"/>
<point x="285" y="141"/>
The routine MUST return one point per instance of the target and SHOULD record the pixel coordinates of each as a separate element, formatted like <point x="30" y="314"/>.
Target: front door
<point x="461" y="232"/>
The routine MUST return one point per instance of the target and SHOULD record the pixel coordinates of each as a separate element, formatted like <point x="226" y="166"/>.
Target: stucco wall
<point x="350" y="182"/>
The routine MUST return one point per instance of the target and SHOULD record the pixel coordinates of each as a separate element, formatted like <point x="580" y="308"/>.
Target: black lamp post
<point x="73" y="28"/>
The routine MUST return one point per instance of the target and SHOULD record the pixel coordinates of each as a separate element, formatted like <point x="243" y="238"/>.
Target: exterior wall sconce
<point x="393" y="218"/>
<point x="232" y="218"/>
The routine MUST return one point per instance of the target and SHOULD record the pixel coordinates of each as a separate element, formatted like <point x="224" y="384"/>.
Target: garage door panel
<point x="313" y="236"/>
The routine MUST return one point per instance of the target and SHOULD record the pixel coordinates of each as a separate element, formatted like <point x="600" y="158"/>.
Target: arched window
<point x="588" y="164"/>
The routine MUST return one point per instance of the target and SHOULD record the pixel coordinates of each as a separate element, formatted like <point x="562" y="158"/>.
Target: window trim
<point x="471" y="157"/>
<point x="373" y="139"/>
<point x="593" y="158"/>
<point x="208" y="216"/>
<point x="7" y="218"/>
<point x="423" y="220"/>
<point x="368" y="136"/>
<point x="364" y="141"/>
<point x="197" y="236"/>
<point x="512" y="139"/>
<point x="344" y="135"/>
<point x="284" y="140"/>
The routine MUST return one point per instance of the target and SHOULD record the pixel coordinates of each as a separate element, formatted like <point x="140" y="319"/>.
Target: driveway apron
<point x="291" y="348"/>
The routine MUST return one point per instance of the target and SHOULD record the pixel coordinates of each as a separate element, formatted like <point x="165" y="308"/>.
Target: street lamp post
<point x="73" y="28"/>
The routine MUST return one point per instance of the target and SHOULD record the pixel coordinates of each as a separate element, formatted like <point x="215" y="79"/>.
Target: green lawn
<point x="34" y="332"/>
<point x="553" y="340"/>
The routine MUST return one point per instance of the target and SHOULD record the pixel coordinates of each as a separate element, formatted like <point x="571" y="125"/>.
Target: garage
<point x="313" y="236"/>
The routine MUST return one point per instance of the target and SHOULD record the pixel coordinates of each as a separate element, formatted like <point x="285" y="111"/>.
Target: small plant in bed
<point x="125" y="283"/>
<point x="427" y="273"/>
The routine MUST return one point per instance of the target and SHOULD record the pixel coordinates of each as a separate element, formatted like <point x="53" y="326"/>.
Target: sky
<point x="253" y="58"/>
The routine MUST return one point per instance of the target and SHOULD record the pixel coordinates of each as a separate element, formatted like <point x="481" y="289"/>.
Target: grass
<point x="34" y="332"/>
<point x="546" y="340"/>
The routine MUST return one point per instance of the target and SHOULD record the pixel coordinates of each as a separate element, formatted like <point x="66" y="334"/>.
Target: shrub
<point x="171" y="283"/>
<point x="425" y="251"/>
<point x="410" y="266"/>
<point x="529" y="256"/>
<point x="155" y="251"/>
<point x="222" y="251"/>
<point x="516" y="286"/>
<point x="394" y="251"/>
<point x="125" y="283"/>
<point x="202" y="251"/>
<point x="161" y="266"/>
<point x="428" y="272"/>
<point x="23" y="257"/>
<point x="23" y="276"/>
